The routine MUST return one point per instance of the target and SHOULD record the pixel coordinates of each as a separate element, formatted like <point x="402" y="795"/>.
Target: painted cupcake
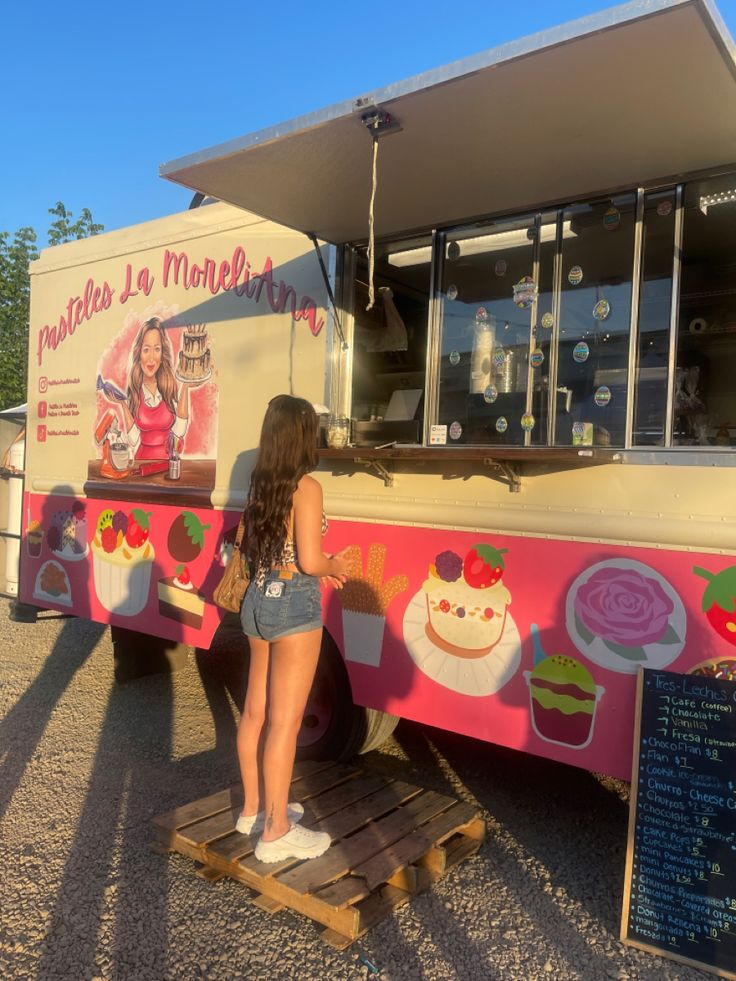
<point x="122" y="561"/>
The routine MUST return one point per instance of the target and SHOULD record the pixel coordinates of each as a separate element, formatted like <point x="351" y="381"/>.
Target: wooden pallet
<point x="391" y="840"/>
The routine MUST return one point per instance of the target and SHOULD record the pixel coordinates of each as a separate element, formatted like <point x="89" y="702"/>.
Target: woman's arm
<point x="308" y="533"/>
<point x="182" y="406"/>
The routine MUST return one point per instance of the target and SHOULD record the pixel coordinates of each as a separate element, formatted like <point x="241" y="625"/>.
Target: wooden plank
<point x="411" y="879"/>
<point x="209" y="828"/>
<point x="378" y="906"/>
<point x="344" y="892"/>
<point x="232" y="847"/>
<point x="381" y="867"/>
<point x="313" y="784"/>
<point x="179" y="817"/>
<point x="343" y="796"/>
<point x="346" y="821"/>
<point x="461" y="849"/>
<point x="210" y="874"/>
<point x="374" y="838"/>
<point x="266" y="904"/>
<point x="434" y="860"/>
<point x="344" y="921"/>
<point x="336" y="940"/>
<point x="305" y="768"/>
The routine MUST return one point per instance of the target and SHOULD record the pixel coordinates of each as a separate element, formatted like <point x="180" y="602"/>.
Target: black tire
<point x="347" y="729"/>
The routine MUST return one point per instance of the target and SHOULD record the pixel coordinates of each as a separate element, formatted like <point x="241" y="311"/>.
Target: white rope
<point x="371" y="230"/>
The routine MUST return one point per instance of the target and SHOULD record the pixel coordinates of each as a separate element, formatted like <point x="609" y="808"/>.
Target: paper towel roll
<point x="697" y="325"/>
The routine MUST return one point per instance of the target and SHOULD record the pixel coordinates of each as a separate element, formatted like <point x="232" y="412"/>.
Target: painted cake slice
<point x="179" y="600"/>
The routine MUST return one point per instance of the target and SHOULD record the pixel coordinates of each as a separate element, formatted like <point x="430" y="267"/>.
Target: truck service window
<point x="390" y="343"/>
<point x="704" y="407"/>
<point x="595" y="321"/>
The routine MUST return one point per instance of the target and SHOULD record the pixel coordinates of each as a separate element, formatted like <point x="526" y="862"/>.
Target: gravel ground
<point x="85" y="764"/>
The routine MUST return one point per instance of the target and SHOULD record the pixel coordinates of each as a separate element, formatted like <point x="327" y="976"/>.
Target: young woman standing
<point x="282" y="617"/>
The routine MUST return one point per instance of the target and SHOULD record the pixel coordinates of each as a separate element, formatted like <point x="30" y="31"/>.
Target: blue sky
<point x="97" y="95"/>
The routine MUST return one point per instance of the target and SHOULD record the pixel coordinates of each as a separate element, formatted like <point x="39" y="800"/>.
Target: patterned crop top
<point x="288" y="555"/>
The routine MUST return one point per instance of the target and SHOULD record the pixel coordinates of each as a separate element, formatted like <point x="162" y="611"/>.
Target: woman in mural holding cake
<point x="156" y="409"/>
<point x="282" y="617"/>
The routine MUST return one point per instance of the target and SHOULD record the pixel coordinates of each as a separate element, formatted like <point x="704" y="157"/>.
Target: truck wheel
<point x="333" y="727"/>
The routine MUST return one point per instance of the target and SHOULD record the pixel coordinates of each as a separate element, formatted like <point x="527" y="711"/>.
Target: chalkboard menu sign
<point x="680" y="889"/>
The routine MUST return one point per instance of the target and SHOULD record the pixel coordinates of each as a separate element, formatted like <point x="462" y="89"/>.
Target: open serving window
<point x="606" y="323"/>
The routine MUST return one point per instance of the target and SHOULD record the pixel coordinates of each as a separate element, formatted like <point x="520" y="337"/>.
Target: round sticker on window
<point x="602" y="395"/>
<point x="601" y="309"/>
<point x="536" y="358"/>
<point x="548" y="321"/>
<point x="500" y="267"/>
<point x="527" y="422"/>
<point x="481" y="314"/>
<point x="456" y="430"/>
<point x="490" y="394"/>
<point x="451" y="292"/>
<point x="525" y="292"/>
<point x="501" y="424"/>
<point x="453" y="251"/>
<point x="580" y="352"/>
<point x="575" y="276"/>
<point x="664" y="208"/>
<point x="611" y="219"/>
<point x="454" y="357"/>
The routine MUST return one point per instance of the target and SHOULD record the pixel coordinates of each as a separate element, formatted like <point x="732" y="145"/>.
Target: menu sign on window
<point x="680" y="888"/>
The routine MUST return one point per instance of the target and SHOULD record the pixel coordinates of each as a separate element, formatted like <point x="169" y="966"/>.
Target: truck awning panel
<point x="639" y="92"/>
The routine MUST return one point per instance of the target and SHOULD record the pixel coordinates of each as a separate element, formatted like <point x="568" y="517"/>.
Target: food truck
<point x="511" y="282"/>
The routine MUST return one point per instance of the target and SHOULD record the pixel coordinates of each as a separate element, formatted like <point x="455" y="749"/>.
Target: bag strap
<point x="240" y="532"/>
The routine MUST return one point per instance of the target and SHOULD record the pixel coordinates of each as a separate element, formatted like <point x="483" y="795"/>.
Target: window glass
<point x="390" y="343"/>
<point x="488" y="298"/>
<point x="705" y="395"/>
<point x="595" y="315"/>
<point x="655" y="309"/>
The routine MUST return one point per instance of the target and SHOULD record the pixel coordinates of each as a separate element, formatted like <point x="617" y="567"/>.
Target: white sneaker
<point x="296" y="843"/>
<point x="254" y="823"/>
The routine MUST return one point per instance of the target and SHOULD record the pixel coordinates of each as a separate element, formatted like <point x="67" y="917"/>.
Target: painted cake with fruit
<point x="467" y="601"/>
<point x="179" y="600"/>
<point x="122" y="559"/>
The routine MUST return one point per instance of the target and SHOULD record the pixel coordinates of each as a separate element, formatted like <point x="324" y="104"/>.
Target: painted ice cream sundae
<point x="564" y="698"/>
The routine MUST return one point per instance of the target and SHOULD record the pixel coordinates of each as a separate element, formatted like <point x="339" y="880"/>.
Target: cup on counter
<point x="338" y="432"/>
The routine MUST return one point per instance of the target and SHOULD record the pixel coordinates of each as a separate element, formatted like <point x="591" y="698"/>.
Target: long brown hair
<point x="287" y="451"/>
<point x="165" y="379"/>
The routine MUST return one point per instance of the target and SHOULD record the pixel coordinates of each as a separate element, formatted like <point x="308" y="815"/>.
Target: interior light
<point x="493" y="242"/>
<point x="711" y="200"/>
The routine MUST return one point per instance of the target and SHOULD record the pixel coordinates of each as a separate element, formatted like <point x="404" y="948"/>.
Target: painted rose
<point x="624" y="607"/>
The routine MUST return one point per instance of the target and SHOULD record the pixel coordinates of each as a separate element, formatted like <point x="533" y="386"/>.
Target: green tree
<point x="16" y="254"/>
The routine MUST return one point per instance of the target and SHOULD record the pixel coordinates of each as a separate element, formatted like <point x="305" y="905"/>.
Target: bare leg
<point x="293" y="664"/>
<point x="251" y="725"/>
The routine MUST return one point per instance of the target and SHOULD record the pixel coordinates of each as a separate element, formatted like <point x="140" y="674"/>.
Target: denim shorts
<point x="286" y="603"/>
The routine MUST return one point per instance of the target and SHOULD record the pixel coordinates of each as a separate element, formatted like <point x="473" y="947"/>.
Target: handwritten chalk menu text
<point x="680" y="889"/>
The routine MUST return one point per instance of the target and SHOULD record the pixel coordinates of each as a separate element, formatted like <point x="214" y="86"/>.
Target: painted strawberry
<point x="186" y="537"/>
<point x="182" y="575"/>
<point x="109" y="539"/>
<point x="483" y="566"/>
<point x="138" y="528"/>
<point x="719" y="601"/>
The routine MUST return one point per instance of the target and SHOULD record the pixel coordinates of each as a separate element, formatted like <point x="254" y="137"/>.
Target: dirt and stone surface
<point x="86" y="763"/>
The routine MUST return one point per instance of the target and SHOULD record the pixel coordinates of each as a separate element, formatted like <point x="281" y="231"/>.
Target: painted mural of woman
<point x="156" y="415"/>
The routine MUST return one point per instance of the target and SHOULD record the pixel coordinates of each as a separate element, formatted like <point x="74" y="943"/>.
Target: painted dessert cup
<point x="34" y="539"/>
<point x="363" y="637"/>
<point x="122" y="584"/>
<point x="564" y="699"/>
